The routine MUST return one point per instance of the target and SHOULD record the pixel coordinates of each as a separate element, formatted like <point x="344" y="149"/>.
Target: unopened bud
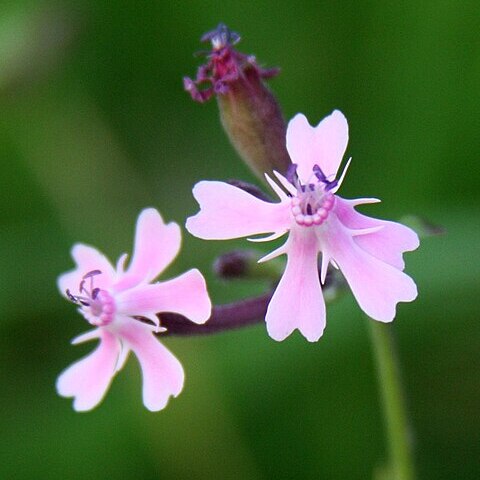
<point x="234" y="264"/>
<point x="243" y="264"/>
<point x="249" y="112"/>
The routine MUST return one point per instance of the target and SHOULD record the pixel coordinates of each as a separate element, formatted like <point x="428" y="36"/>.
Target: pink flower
<point x="122" y="305"/>
<point x="368" y="251"/>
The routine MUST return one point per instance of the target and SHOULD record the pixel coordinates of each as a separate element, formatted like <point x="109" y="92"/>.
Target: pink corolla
<point x="367" y="251"/>
<point x="122" y="303"/>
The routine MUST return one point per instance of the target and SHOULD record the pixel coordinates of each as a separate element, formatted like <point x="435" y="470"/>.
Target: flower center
<point x="312" y="206"/>
<point x="314" y="201"/>
<point x="96" y="305"/>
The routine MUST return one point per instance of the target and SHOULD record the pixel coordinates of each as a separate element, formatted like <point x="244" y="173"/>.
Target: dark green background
<point x="94" y="126"/>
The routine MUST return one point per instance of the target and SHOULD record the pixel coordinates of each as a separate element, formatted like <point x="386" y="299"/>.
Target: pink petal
<point x="88" y="379"/>
<point x="156" y="245"/>
<point x="388" y="244"/>
<point x="324" y="144"/>
<point x="298" y="300"/>
<point x="162" y="372"/>
<point x="229" y="212"/>
<point x="186" y="294"/>
<point x="87" y="259"/>
<point x="377" y="286"/>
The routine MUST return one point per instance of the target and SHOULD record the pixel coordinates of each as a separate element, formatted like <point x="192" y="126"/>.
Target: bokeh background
<point x="95" y="125"/>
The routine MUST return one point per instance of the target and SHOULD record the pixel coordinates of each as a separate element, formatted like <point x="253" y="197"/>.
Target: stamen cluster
<point x="314" y="201"/>
<point x="312" y="205"/>
<point x="96" y="305"/>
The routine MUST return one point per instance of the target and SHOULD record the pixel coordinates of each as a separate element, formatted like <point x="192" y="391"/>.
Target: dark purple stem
<point x="224" y="317"/>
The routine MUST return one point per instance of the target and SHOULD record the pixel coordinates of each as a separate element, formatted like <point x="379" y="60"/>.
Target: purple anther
<point x="89" y="275"/>
<point x="322" y="177"/>
<point x="95" y="293"/>
<point x="221" y="36"/>
<point x="71" y="297"/>
<point x="291" y="172"/>
<point x="76" y="299"/>
<point x="319" y="174"/>
<point x="93" y="273"/>
<point x="331" y="185"/>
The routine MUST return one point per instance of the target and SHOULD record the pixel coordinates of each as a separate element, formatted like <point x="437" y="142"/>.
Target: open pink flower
<point x="368" y="251"/>
<point x="122" y="305"/>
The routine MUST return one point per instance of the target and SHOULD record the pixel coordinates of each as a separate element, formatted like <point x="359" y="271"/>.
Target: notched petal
<point x="156" y="246"/>
<point x="298" y="301"/>
<point x="376" y="284"/>
<point x="162" y="373"/>
<point x="324" y="144"/>
<point x="390" y="240"/>
<point x="88" y="379"/>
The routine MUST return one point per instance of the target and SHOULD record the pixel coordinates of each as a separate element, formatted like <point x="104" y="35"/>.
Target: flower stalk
<point x="246" y="312"/>
<point x="230" y="316"/>
<point x="399" y="435"/>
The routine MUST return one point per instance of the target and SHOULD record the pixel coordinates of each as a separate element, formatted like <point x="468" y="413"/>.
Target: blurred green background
<point x="95" y="125"/>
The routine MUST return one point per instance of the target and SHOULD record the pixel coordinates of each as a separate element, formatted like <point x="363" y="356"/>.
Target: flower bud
<point x="235" y="264"/>
<point x="248" y="111"/>
<point x="243" y="265"/>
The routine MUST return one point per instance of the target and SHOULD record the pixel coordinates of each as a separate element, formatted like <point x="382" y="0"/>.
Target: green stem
<point x="401" y="465"/>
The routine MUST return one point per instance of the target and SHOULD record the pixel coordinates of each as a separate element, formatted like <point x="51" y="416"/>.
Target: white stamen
<point x="363" y="201"/>
<point x="288" y="186"/>
<point x="342" y="177"/>
<point x="85" y="337"/>
<point x="273" y="236"/>
<point x="277" y="252"/>
<point x="281" y="194"/>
